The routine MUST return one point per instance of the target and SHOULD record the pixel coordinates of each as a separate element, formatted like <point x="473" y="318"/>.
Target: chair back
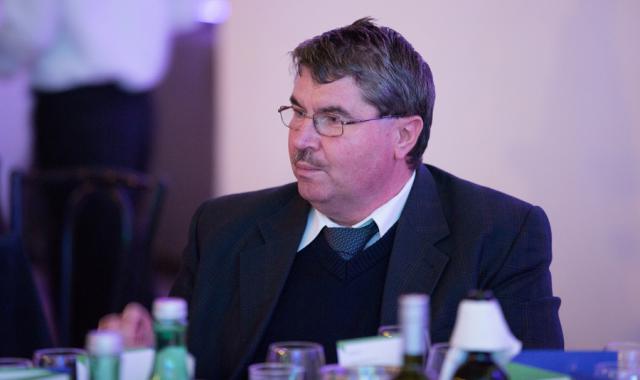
<point x="23" y="326"/>
<point x="88" y="231"/>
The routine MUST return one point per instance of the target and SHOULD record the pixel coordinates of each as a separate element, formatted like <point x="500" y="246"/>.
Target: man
<point x="269" y="266"/>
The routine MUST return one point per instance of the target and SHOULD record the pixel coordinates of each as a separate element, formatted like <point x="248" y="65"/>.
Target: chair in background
<point x="2" y="223"/>
<point x="23" y="327"/>
<point x="88" y="233"/>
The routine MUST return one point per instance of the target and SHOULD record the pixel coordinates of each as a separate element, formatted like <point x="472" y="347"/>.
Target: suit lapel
<point x="415" y="264"/>
<point x="262" y="273"/>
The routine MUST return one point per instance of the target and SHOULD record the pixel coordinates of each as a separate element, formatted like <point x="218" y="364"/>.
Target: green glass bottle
<point x="413" y="316"/>
<point x="479" y="363"/>
<point x="104" y="348"/>
<point x="480" y="366"/>
<point x="170" y="327"/>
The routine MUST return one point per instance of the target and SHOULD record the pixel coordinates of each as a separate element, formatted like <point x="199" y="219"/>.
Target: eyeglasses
<point x="326" y="124"/>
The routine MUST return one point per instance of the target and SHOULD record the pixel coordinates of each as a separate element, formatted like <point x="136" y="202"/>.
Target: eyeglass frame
<point x="315" y="123"/>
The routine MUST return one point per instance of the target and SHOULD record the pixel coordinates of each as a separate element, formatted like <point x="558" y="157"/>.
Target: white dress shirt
<point x="384" y="216"/>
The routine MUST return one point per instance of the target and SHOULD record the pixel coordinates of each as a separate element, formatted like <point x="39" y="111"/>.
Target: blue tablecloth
<point x="577" y="364"/>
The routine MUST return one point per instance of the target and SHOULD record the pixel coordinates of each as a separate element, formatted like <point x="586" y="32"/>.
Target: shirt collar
<point x="384" y="216"/>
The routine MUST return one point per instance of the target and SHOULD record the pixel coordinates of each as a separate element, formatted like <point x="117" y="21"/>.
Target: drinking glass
<point x="73" y="361"/>
<point x="628" y="354"/>
<point x="275" y="371"/>
<point x="337" y="372"/>
<point x="307" y="355"/>
<point x="435" y="360"/>
<point x="611" y="371"/>
<point x="392" y="331"/>
<point x="15" y="363"/>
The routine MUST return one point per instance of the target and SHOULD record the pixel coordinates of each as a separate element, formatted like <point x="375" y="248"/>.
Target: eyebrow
<point x="328" y="109"/>
<point x="295" y="101"/>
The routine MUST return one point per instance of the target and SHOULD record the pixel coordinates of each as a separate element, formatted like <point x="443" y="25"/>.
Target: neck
<point x="362" y="206"/>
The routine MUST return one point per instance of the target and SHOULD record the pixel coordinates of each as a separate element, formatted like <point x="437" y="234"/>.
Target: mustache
<point x="305" y="155"/>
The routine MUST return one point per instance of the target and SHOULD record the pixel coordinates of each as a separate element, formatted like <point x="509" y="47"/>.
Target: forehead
<point x="342" y="93"/>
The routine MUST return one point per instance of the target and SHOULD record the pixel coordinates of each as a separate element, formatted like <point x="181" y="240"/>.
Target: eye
<point x="332" y="119"/>
<point x="298" y="112"/>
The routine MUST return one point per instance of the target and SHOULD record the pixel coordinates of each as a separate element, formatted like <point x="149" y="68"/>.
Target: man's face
<point x="341" y="176"/>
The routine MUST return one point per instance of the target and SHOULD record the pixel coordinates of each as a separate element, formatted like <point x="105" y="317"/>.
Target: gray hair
<point x="392" y="76"/>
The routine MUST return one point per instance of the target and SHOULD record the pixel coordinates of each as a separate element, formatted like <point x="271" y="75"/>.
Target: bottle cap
<point x="168" y="308"/>
<point x="414" y="300"/>
<point x="104" y="342"/>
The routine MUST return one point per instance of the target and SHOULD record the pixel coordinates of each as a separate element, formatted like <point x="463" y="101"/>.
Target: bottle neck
<point x="480" y="356"/>
<point x="480" y="366"/>
<point x="413" y="361"/>
<point x="169" y="333"/>
<point x="413" y="335"/>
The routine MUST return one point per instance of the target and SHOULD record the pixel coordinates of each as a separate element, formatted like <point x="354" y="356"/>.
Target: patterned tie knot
<point x="349" y="241"/>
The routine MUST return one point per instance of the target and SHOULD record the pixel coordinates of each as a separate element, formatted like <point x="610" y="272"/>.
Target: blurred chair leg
<point x="23" y="326"/>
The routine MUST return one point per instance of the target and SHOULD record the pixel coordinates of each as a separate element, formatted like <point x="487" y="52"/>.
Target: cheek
<point x="290" y="146"/>
<point x="372" y="162"/>
<point x="376" y="148"/>
<point x="353" y="163"/>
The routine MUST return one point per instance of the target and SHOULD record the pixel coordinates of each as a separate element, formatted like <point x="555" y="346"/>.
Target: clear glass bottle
<point x="413" y="315"/>
<point x="104" y="348"/>
<point x="170" y="327"/>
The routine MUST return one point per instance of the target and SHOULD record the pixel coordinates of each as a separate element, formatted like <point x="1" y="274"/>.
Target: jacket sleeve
<point x="523" y="285"/>
<point x="184" y="284"/>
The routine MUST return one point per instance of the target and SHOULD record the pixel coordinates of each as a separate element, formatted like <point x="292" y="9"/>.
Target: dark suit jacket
<point x="452" y="236"/>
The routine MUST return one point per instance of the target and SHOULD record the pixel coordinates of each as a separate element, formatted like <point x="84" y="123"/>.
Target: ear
<point x="407" y="133"/>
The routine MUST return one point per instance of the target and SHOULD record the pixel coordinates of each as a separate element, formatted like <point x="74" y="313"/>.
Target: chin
<point x="311" y="193"/>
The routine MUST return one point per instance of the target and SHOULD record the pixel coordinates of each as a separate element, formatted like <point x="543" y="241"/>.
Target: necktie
<point x="349" y="241"/>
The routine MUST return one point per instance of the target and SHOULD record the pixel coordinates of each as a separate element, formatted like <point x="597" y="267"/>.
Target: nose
<point x="304" y="136"/>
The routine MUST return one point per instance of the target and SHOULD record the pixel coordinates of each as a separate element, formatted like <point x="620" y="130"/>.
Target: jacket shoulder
<point x="460" y="195"/>
<point x="250" y="206"/>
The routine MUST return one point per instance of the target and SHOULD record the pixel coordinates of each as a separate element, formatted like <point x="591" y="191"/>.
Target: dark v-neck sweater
<point x="326" y="298"/>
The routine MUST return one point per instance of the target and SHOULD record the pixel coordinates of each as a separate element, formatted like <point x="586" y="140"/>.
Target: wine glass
<point x="15" y="363"/>
<point x="307" y="355"/>
<point x="435" y="360"/>
<point x="73" y="361"/>
<point x="275" y="371"/>
<point x="337" y="372"/>
<point x="392" y="331"/>
<point x="628" y="353"/>
<point x="627" y="366"/>
<point x="611" y="371"/>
